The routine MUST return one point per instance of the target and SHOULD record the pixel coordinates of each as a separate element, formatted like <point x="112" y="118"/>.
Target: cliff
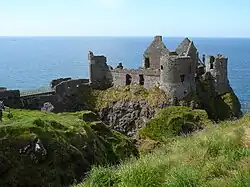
<point x="218" y="107"/>
<point x="128" y="108"/>
<point x="43" y="149"/>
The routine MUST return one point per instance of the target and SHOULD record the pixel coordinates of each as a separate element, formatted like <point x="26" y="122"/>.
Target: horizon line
<point x="128" y="36"/>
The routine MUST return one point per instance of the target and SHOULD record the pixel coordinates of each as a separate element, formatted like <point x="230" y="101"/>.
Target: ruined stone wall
<point x="99" y="74"/>
<point x="9" y="94"/>
<point x="152" y="55"/>
<point x="177" y="78"/>
<point x="217" y="66"/>
<point x="194" y="55"/>
<point x="55" y="82"/>
<point x="70" y="86"/>
<point x="37" y="102"/>
<point x="147" y="78"/>
<point x="11" y="98"/>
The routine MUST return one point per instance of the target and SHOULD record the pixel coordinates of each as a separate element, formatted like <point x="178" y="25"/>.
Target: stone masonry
<point x="172" y="71"/>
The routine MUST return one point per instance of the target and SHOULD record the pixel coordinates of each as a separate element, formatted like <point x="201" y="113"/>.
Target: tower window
<point x="141" y="80"/>
<point x="182" y="78"/>
<point x="211" y="65"/>
<point x="147" y="62"/>
<point x="161" y="67"/>
<point x="128" y="79"/>
<point x="203" y="58"/>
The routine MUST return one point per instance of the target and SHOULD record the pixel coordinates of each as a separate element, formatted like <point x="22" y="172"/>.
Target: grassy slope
<point x="73" y="145"/>
<point x="216" y="156"/>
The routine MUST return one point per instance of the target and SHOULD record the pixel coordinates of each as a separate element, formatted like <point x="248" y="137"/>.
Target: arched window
<point x="182" y="78"/>
<point x="147" y="62"/>
<point x="128" y="79"/>
<point x="161" y="67"/>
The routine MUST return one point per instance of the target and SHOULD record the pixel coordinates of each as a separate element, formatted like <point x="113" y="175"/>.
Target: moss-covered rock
<point x="233" y="103"/>
<point x="218" y="107"/>
<point x="70" y="146"/>
<point x="107" y="98"/>
<point x="174" y="121"/>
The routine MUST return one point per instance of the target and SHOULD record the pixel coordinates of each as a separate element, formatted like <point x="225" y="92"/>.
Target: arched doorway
<point x="141" y="80"/>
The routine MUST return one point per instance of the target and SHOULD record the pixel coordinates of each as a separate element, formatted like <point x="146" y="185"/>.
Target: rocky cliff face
<point x="127" y="116"/>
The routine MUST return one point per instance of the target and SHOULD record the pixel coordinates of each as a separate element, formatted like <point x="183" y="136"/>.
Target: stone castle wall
<point x="152" y="55"/>
<point x="177" y="77"/>
<point x="217" y="66"/>
<point x="147" y="78"/>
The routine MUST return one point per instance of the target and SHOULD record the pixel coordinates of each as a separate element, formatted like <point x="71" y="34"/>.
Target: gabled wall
<point x="154" y="53"/>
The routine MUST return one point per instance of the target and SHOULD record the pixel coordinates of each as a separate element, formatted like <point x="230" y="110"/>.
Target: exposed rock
<point x="127" y="116"/>
<point x="218" y="107"/>
<point x="47" y="107"/>
<point x="35" y="149"/>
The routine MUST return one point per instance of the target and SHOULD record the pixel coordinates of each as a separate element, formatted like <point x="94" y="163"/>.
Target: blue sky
<point x="200" y="18"/>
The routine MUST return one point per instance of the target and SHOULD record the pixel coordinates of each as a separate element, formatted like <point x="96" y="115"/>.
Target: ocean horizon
<point x="31" y="62"/>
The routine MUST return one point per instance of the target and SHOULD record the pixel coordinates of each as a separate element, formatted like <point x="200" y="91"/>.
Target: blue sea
<point x="31" y="62"/>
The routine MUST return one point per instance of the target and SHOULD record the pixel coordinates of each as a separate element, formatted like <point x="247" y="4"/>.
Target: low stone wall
<point x="70" y="86"/>
<point x="55" y="82"/>
<point x="11" y="98"/>
<point x="9" y="94"/>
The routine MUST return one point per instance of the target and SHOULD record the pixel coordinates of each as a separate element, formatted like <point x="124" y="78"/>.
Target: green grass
<point x="74" y="142"/>
<point x="217" y="156"/>
<point x="174" y="121"/>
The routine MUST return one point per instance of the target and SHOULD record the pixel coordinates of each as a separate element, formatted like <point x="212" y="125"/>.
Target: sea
<point x="28" y="63"/>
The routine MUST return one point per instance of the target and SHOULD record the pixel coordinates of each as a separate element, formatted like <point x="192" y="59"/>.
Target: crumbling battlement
<point x="173" y="71"/>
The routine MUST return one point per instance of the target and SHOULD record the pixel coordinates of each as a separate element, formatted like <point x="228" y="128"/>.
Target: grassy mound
<point x="72" y="147"/>
<point x="174" y="121"/>
<point x="217" y="156"/>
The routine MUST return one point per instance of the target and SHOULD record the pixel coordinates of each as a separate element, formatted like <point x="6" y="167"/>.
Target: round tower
<point x="177" y="75"/>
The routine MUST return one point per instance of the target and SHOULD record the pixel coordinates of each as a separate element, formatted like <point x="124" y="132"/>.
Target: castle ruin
<point x="175" y="72"/>
<point x="172" y="71"/>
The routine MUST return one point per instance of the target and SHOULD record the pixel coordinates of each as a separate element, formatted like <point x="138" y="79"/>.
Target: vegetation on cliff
<point x="175" y="121"/>
<point x="217" y="156"/>
<point x="44" y="149"/>
<point x="218" y="107"/>
<point x="99" y="99"/>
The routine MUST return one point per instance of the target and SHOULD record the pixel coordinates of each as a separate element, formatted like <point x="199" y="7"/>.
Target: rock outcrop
<point x="127" y="116"/>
